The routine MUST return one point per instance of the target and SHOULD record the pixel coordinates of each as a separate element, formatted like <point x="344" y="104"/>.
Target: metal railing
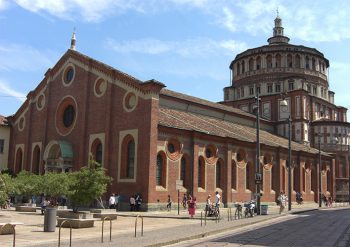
<point x="70" y="233"/>
<point x="110" y="228"/>
<point x="141" y="225"/>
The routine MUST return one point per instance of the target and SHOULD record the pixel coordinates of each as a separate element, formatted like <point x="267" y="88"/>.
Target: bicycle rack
<point x="70" y="233"/>
<point x="110" y="228"/>
<point x="14" y="232"/>
<point x="141" y="225"/>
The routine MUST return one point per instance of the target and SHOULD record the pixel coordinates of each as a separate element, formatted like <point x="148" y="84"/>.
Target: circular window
<point x="210" y="154"/>
<point x="68" y="116"/>
<point x="40" y="103"/>
<point x="173" y="149"/>
<point x="100" y="87"/>
<point x="130" y="101"/>
<point x="68" y="75"/>
<point x="21" y="124"/>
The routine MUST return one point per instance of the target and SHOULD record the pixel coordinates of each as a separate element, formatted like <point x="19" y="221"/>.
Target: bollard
<point x="13" y="231"/>
<point x="110" y="228"/>
<point x="70" y="233"/>
<point x="141" y="225"/>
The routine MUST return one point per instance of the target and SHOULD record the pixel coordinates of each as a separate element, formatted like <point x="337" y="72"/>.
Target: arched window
<point x="307" y="62"/>
<point x="19" y="157"/>
<point x="238" y="69"/>
<point x="36" y="160"/>
<point x="183" y="173"/>
<point x="159" y="169"/>
<point x="269" y="61"/>
<point x="219" y="173"/>
<point x="297" y="61"/>
<point x="243" y="67"/>
<point x="128" y="157"/>
<point x="313" y="64"/>
<point x="258" y="63"/>
<point x="251" y="64"/>
<point x="278" y="61"/>
<point x="96" y="150"/>
<point x="234" y="175"/>
<point x="201" y="173"/>
<point x="289" y="61"/>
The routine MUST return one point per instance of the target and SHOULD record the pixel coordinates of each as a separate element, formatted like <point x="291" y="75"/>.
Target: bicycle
<point x="238" y="211"/>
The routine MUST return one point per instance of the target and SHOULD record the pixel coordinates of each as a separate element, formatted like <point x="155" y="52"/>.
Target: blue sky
<point x="186" y="44"/>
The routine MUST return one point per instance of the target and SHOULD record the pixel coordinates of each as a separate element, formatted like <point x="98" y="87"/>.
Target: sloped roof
<point x="212" y="126"/>
<point x="205" y="102"/>
<point x="3" y="120"/>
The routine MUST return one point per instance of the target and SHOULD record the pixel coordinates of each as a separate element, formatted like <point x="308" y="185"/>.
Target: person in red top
<point x="191" y="206"/>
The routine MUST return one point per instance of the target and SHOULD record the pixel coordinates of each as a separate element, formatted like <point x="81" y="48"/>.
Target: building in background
<point x="4" y="142"/>
<point x="282" y="71"/>
<point x="148" y="138"/>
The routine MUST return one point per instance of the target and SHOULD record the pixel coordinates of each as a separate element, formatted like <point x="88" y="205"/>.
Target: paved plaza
<point x="160" y="228"/>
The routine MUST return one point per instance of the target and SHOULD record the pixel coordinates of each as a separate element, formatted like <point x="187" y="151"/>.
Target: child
<point x="168" y="206"/>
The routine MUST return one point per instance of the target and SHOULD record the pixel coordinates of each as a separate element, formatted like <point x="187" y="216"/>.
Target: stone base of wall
<point x="75" y="223"/>
<point x="25" y="209"/>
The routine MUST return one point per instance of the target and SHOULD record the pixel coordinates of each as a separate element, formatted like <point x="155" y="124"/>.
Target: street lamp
<point x="284" y="107"/>
<point x="257" y="166"/>
<point x="319" y="172"/>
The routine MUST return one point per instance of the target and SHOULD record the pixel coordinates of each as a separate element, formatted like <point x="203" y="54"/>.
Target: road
<point x="329" y="227"/>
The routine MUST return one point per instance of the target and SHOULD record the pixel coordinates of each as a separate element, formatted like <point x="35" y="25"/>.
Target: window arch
<point x="97" y="150"/>
<point x="219" y="172"/>
<point x="243" y="66"/>
<point x="128" y="158"/>
<point x="269" y="61"/>
<point x="297" y="61"/>
<point x="289" y="61"/>
<point x="183" y="170"/>
<point x="201" y="173"/>
<point x="161" y="170"/>
<point x="19" y="158"/>
<point x="313" y="64"/>
<point x="36" y="160"/>
<point x="251" y="64"/>
<point x="258" y="63"/>
<point x="238" y="68"/>
<point x="307" y="62"/>
<point x="278" y="61"/>
<point x="234" y="175"/>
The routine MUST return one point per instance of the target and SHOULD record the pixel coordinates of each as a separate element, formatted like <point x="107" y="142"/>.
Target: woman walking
<point x="191" y="206"/>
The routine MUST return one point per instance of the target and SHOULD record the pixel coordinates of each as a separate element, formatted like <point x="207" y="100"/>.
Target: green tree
<point x="27" y="184"/>
<point x="55" y="184"/>
<point x="87" y="185"/>
<point x="6" y="187"/>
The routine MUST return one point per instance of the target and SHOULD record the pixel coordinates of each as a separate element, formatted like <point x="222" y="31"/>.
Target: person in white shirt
<point x="217" y="199"/>
<point x="111" y="201"/>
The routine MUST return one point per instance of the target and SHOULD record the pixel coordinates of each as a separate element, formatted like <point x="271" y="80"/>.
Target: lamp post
<point x="284" y="107"/>
<point x="257" y="166"/>
<point x="319" y="172"/>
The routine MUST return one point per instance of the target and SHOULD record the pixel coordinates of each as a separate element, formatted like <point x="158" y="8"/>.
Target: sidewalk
<point x="160" y="228"/>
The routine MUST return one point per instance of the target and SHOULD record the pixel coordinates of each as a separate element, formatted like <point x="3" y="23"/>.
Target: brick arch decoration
<point x="211" y="154"/>
<point x="241" y="158"/>
<point x="173" y="148"/>
<point x="267" y="161"/>
<point x="62" y="105"/>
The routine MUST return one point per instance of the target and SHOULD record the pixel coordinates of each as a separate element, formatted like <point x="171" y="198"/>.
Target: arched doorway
<point x="58" y="156"/>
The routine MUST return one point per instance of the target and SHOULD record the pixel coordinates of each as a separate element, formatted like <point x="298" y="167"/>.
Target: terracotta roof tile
<point x="213" y="126"/>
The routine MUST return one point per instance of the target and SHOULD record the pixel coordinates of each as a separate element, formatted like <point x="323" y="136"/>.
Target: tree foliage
<point x="87" y="184"/>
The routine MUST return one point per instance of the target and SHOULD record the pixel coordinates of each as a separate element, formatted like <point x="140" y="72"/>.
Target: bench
<point x="25" y="209"/>
<point x="75" y="223"/>
<point x="112" y="216"/>
<point x="7" y="228"/>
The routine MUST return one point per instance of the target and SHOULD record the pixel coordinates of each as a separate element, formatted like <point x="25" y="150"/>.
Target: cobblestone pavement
<point x="160" y="228"/>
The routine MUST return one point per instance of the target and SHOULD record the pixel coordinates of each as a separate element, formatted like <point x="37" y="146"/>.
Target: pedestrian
<point x="169" y="202"/>
<point x="330" y="201"/>
<point x="111" y="201"/>
<point x="208" y="206"/>
<point x="138" y="202"/>
<point x="191" y="205"/>
<point x="282" y="201"/>
<point x="184" y="201"/>
<point x="217" y="199"/>
<point x="44" y="205"/>
<point x="117" y="198"/>
<point x="132" y="203"/>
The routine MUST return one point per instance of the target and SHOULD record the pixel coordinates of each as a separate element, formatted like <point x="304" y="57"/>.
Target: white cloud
<point x="7" y="90"/>
<point x="3" y="4"/>
<point x="23" y="58"/>
<point x="200" y="47"/>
